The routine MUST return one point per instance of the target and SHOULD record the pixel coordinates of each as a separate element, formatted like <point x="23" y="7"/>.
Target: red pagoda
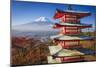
<point x="69" y="48"/>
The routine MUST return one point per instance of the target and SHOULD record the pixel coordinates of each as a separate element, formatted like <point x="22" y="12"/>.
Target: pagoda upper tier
<point x="78" y="14"/>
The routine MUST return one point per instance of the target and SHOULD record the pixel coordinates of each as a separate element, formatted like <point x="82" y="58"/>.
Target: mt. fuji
<point x="41" y="25"/>
<point x="42" y="19"/>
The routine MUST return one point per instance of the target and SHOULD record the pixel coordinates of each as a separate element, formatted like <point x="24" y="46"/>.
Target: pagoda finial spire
<point x="69" y="7"/>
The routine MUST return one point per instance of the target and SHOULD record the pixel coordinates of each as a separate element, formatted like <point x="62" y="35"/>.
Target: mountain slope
<point x="40" y="24"/>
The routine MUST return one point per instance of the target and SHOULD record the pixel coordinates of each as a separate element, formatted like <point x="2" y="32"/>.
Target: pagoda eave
<point x="55" y="39"/>
<point x="77" y="52"/>
<point x="79" y="26"/>
<point x="60" y="13"/>
<point x="67" y="56"/>
<point x="71" y="38"/>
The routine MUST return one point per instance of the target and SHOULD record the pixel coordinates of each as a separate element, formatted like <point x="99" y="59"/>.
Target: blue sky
<point x="26" y="12"/>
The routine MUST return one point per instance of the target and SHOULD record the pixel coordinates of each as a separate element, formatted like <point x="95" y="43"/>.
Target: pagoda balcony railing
<point x="72" y="59"/>
<point x="71" y="21"/>
<point x="69" y="33"/>
<point x="68" y="46"/>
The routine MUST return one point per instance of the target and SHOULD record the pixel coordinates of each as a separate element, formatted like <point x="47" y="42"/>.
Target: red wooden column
<point x="64" y="44"/>
<point x="65" y="18"/>
<point x="79" y="43"/>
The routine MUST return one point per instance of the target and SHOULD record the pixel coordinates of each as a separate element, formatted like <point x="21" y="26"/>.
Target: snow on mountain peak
<point x="42" y="19"/>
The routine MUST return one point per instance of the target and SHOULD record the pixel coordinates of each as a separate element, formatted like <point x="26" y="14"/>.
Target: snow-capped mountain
<point x="39" y="24"/>
<point x="42" y="27"/>
<point x="42" y="19"/>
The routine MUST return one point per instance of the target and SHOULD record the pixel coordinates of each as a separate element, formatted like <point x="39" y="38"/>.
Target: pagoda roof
<point x="54" y="49"/>
<point x="82" y="25"/>
<point x="59" y="13"/>
<point x="57" y="51"/>
<point x="70" y="52"/>
<point x="85" y="50"/>
<point x="52" y="60"/>
<point x="69" y="38"/>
